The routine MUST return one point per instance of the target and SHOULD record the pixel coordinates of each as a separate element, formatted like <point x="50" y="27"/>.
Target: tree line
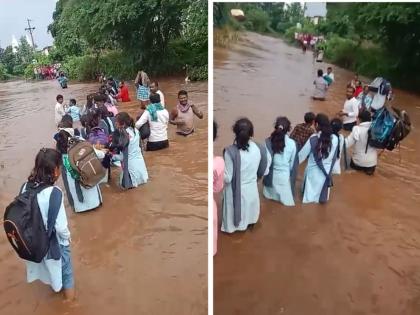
<point x="369" y="38"/>
<point x="119" y="37"/>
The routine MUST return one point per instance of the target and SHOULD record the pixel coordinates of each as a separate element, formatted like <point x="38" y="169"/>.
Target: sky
<point x="13" y="15"/>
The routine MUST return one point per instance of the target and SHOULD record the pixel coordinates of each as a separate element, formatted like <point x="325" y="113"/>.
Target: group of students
<point x="319" y="140"/>
<point x="116" y="140"/>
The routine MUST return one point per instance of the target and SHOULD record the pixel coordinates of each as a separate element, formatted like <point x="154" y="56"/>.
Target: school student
<point x="134" y="171"/>
<point x="107" y="120"/>
<point x="157" y="117"/>
<point x="80" y="198"/>
<point x="123" y="94"/>
<point x="350" y="110"/>
<point x="56" y="268"/>
<point x="321" y="152"/>
<point x="184" y="117"/>
<point x="154" y="88"/>
<point x="59" y="111"/>
<point x="336" y="126"/>
<point x="218" y="178"/>
<point x="364" y="157"/>
<point x="303" y="131"/>
<point x="74" y="112"/>
<point x="67" y="122"/>
<point x="142" y="83"/>
<point x="280" y="181"/>
<point x="245" y="162"/>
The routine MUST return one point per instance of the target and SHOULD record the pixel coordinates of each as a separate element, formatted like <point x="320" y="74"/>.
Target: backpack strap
<point x="56" y="198"/>
<point x="268" y="179"/>
<point x="263" y="162"/>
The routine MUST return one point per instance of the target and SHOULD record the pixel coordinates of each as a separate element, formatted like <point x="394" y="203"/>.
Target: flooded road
<point x="145" y="250"/>
<point x="358" y="254"/>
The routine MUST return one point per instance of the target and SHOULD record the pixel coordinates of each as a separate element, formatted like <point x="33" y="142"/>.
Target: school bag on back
<point x="381" y="86"/>
<point x="388" y="128"/>
<point x="97" y="135"/>
<point x="83" y="159"/>
<point x="24" y="225"/>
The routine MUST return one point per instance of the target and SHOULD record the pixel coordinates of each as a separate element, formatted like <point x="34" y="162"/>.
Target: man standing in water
<point x="350" y="110"/>
<point x="183" y="115"/>
<point x="321" y="87"/>
<point x="154" y="88"/>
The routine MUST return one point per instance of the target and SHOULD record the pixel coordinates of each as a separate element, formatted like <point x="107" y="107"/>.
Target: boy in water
<point x="74" y="112"/>
<point x="303" y="131"/>
<point x="183" y="115"/>
<point x="154" y="88"/>
<point x="59" y="109"/>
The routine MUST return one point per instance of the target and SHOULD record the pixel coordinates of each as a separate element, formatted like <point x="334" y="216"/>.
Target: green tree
<point x="8" y="59"/>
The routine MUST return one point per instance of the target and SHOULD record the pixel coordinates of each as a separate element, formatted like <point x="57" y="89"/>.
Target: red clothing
<point x="358" y="90"/>
<point x="123" y="95"/>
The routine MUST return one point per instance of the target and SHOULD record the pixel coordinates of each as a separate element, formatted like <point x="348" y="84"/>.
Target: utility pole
<point x="30" y="29"/>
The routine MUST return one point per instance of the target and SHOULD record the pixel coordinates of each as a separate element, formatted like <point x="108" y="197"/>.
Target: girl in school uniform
<point x="134" y="171"/>
<point x="321" y="152"/>
<point x="56" y="268"/>
<point x="336" y="126"/>
<point x="80" y="198"/>
<point x="280" y="181"/>
<point x="245" y="161"/>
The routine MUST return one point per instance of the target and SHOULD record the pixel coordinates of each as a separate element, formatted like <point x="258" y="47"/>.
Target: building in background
<point x="316" y="11"/>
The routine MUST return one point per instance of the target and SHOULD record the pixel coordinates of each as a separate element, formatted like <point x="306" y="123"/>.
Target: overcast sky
<point x="13" y="15"/>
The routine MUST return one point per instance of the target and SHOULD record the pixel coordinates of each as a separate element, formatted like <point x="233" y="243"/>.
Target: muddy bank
<point x="145" y="250"/>
<point x="359" y="254"/>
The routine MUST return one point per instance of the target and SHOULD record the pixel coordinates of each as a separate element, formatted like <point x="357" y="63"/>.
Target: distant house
<point x="316" y="11"/>
<point x="46" y="50"/>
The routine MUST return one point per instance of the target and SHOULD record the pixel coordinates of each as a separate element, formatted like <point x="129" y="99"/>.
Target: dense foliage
<point x="370" y="38"/>
<point x="120" y="37"/>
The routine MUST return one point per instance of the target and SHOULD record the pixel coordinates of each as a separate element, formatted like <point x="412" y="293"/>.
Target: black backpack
<point x="24" y="225"/>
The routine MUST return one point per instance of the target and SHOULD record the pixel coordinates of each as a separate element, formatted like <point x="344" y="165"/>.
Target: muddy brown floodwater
<point x="358" y="254"/>
<point x="145" y="250"/>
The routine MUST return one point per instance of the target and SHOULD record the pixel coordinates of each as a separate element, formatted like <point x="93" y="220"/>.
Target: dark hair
<point x="92" y="120"/>
<point x="83" y="120"/>
<point x="320" y="72"/>
<point x="182" y="92"/>
<point x="89" y="100"/>
<point x="104" y="112"/>
<point x="243" y="130"/>
<point x="365" y="116"/>
<point x="352" y="88"/>
<point x="124" y="119"/>
<point x="214" y="130"/>
<point x="154" y="98"/>
<point x="73" y="101"/>
<point x="309" y="117"/>
<point x="329" y="68"/>
<point x="62" y="139"/>
<point x="336" y="126"/>
<point x="66" y="122"/>
<point x="155" y="83"/>
<point x="46" y="161"/>
<point x="281" y="128"/>
<point x="59" y="96"/>
<point x="100" y="98"/>
<point x="323" y="145"/>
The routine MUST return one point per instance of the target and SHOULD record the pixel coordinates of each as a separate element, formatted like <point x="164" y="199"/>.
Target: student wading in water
<point x="280" y="182"/>
<point x="184" y="115"/>
<point x="134" y="172"/>
<point x="245" y="162"/>
<point x="321" y="148"/>
<point x="56" y="268"/>
<point x="80" y="198"/>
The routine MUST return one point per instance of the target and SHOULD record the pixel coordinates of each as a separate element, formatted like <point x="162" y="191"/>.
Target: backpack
<point x="24" y="225"/>
<point x="388" y="128"/>
<point x="97" y="135"/>
<point x="83" y="159"/>
<point x="381" y="86"/>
